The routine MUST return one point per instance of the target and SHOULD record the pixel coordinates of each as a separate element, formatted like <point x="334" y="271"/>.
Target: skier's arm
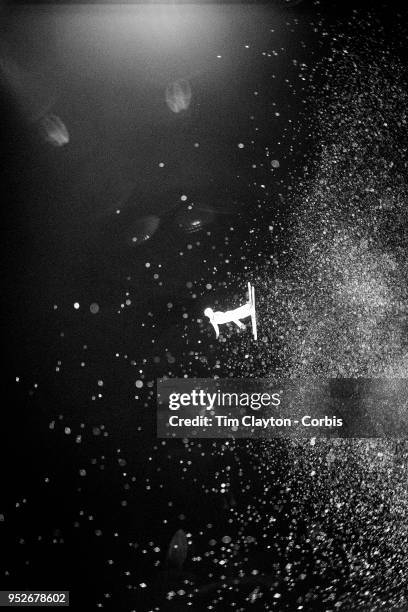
<point x="217" y="329"/>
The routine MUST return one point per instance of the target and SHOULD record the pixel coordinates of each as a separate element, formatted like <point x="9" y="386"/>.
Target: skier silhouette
<point x="234" y="316"/>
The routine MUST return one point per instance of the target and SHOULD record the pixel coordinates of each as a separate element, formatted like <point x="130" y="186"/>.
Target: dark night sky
<point x="99" y="488"/>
